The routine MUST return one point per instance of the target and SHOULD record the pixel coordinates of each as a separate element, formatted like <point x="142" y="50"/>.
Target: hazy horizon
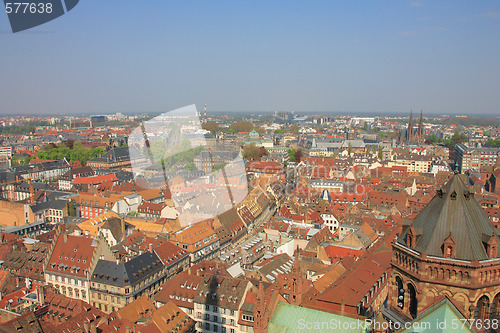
<point x="123" y="56"/>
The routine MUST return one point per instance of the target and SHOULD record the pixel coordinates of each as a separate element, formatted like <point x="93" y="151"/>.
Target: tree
<point x="297" y="156"/>
<point x="260" y="130"/>
<point x="241" y="126"/>
<point x="291" y="154"/>
<point x="71" y="208"/>
<point x="492" y="142"/>
<point x="251" y="152"/>
<point x="190" y="166"/>
<point x="367" y="150"/>
<point x="294" y="129"/>
<point x="262" y="151"/>
<point x="349" y="149"/>
<point x="433" y="138"/>
<point x="218" y="166"/>
<point x="380" y="152"/>
<point x="456" y="139"/>
<point x="279" y="131"/>
<point x="27" y="160"/>
<point x="211" y="126"/>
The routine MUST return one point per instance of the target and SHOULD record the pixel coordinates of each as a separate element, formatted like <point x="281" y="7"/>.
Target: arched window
<point x="495" y="308"/>
<point x="482" y="311"/>
<point x="400" y="293"/>
<point x="413" y="300"/>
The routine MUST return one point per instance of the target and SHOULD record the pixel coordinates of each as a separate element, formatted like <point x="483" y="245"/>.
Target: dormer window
<point x="491" y="246"/>
<point x="453" y="195"/>
<point x="411" y="237"/>
<point x="449" y="247"/>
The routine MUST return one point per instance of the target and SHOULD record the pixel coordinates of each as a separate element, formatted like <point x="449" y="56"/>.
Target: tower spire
<point x="420" y="132"/>
<point x="409" y="134"/>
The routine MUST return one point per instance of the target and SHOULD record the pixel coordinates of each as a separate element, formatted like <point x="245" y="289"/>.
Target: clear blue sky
<point x="380" y="56"/>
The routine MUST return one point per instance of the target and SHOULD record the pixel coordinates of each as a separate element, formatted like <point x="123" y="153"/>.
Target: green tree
<point x="456" y="139"/>
<point x="279" y="131"/>
<point x="211" y="126"/>
<point x="190" y="166"/>
<point x="349" y="149"/>
<point x="297" y="155"/>
<point x="71" y="208"/>
<point x="492" y="142"/>
<point x="368" y="150"/>
<point x="241" y="126"/>
<point x="380" y="152"/>
<point x="260" y="130"/>
<point x="218" y="166"/>
<point x="251" y="152"/>
<point x="433" y="138"/>
<point x="291" y="154"/>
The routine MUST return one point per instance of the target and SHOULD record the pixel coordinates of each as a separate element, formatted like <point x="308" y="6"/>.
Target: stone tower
<point x="409" y="132"/>
<point x="450" y="248"/>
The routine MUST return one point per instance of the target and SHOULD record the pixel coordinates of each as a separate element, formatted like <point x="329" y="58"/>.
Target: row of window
<point x="216" y="319"/>
<point x="74" y="282"/>
<point x="214" y="328"/>
<point x="70" y="292"/>
<point x="215" y="308"/>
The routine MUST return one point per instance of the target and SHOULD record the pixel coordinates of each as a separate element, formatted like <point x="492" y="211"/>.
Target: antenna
<point x="205" y="112"/>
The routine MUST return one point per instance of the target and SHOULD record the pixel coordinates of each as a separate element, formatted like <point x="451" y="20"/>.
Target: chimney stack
<point x="122" y="223"/>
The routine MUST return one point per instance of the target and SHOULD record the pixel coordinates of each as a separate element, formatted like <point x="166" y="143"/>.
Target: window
<point x="207" y="326"/>
<point x="216" y="328"/>
<point x="247" y="317"/>
<point x="207" y="307"/>
<point x="207" y="316"/>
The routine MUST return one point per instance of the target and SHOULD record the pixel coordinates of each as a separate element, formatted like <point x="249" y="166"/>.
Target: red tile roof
<point x="72" y="255"/>
<point x="180" y="289"/>
<point x="95" y="179"/>
<point x="337" y="252"/>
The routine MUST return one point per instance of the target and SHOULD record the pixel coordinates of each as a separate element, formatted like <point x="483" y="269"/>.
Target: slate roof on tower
<point x="452" y="212"/>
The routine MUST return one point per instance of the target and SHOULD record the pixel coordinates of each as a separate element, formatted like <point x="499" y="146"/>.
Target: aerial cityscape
<point x="249" y="167"/>
<point x="262" y="222"/>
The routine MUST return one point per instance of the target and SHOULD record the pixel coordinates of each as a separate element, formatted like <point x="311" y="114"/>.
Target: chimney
<point x="123" y="228"/>
<point x="41" y="295"/>
<point x="151" y="247"/>
<point x="65" y="238"/>
<point x="85" y="326"/>
<point x="93" y="327"/>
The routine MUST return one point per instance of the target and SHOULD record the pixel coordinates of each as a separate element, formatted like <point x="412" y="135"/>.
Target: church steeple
<point x="260" y="310"/>
<point x="409" y="133"/>
<point x="297" y="282"/>
<point x="420" y="131"/>
<point x="450" y="247"/>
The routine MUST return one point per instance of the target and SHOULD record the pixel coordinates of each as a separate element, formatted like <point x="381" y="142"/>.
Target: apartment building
<point x="480" y="159"/>
<point x="71" y="263"/>
<point x="114" y="284"/>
